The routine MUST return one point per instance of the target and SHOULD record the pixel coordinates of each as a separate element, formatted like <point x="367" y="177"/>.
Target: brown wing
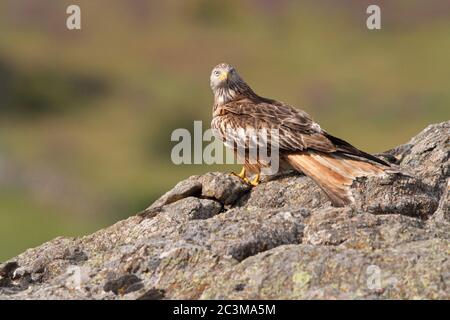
<point x="296" y="129"/>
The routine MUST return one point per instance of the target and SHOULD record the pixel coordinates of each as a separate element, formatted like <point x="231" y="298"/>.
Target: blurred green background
<point x="86" y="116"/>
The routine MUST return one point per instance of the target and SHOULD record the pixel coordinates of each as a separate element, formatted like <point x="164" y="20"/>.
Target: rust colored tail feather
<point x="334" y="173"/>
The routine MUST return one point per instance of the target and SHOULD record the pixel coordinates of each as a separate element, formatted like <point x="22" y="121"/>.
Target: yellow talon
<point x="241" y="174"/>
<point x="255" y="181"/>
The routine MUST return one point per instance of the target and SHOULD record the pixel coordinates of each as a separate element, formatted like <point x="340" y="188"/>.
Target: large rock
<point x="214" y="237"/>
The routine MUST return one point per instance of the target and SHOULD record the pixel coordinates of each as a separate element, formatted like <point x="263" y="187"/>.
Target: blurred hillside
<point x="86" y="116"/>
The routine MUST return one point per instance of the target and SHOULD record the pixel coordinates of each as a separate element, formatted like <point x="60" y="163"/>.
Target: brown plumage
<point x="303" y="145"/>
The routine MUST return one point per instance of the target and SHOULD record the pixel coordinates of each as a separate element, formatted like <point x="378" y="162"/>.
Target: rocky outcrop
<point x="213" y="237"/>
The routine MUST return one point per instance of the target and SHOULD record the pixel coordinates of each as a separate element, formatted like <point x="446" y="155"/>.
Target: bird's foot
<point x="241" y="174"/>
<point x="255" y="181"/>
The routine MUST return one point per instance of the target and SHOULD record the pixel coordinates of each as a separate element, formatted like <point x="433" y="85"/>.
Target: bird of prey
<point x="302" y="144"/>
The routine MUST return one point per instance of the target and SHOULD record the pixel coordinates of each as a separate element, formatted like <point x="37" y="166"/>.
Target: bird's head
<point x="223" y="75"/>
<point x="226" y="83"/>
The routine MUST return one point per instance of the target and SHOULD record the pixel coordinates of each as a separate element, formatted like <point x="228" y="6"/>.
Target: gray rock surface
<point x="213" y="237"/>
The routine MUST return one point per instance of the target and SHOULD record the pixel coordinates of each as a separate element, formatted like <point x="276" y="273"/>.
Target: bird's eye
<point x="217" y="72"/>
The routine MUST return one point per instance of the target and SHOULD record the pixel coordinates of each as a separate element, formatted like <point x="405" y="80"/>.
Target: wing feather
<point x="296" y="129"/>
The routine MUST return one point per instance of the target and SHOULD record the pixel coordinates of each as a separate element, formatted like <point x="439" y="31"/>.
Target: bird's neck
<point x="224" y="95"/>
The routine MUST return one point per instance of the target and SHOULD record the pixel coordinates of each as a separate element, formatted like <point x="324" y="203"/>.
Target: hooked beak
<point x="223" y="76"/>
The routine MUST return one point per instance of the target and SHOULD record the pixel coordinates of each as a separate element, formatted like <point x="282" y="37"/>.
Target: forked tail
<point x="334" y="173"/>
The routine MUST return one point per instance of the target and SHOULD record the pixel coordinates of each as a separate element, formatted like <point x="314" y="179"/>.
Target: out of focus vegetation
<point x="86" y="116"/>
